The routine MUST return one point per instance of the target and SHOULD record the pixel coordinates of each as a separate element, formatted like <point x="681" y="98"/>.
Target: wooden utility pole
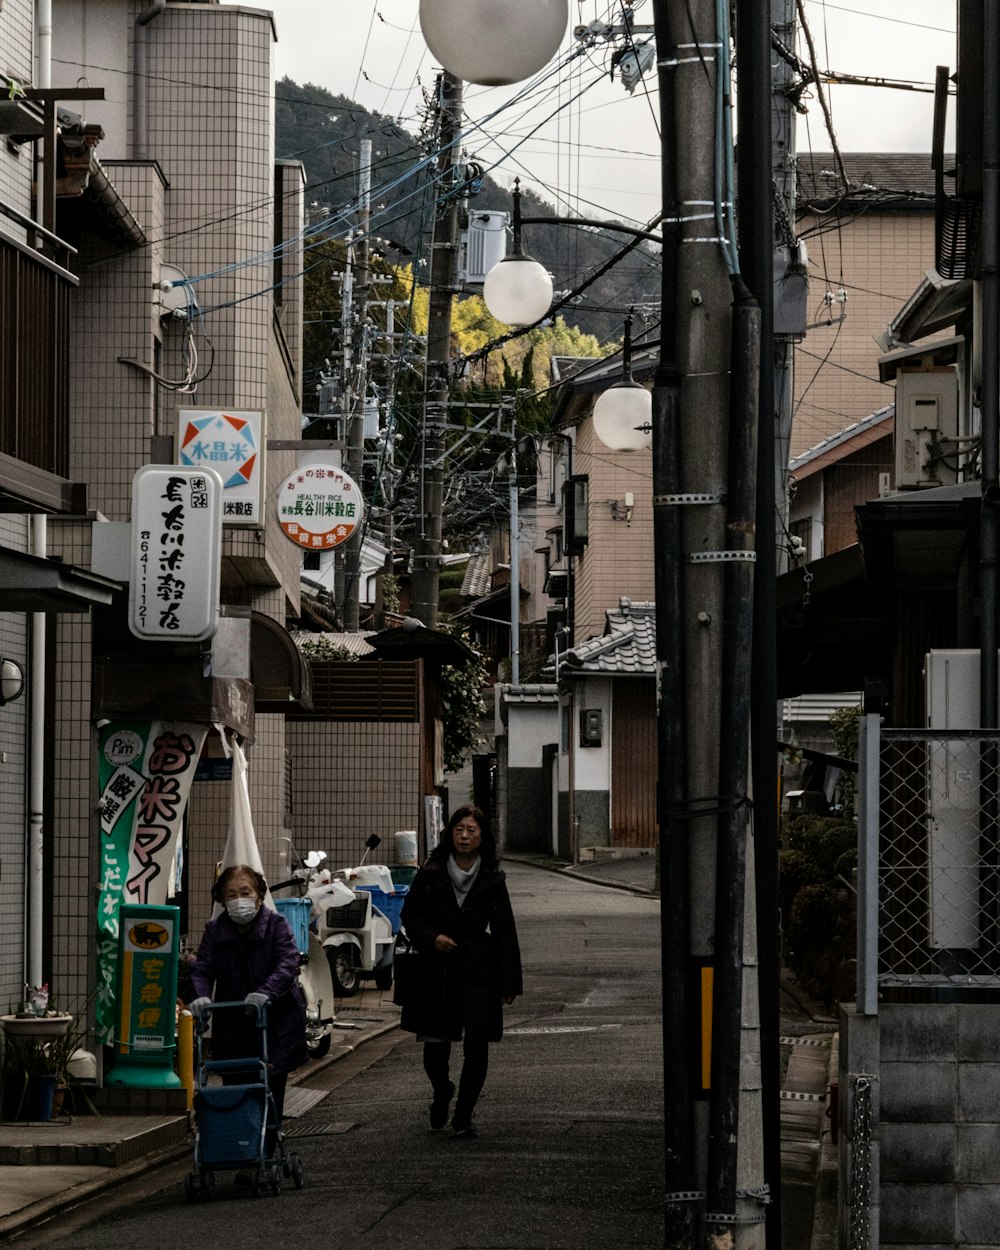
<point x="427" y="547"/>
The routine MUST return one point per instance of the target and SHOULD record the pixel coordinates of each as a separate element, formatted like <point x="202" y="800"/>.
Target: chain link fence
<point x="929" y="867"/>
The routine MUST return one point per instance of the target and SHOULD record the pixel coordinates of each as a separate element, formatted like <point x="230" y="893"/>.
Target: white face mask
<point x="241" y="910"/>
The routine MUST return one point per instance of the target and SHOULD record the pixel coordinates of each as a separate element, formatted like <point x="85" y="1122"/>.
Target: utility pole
<point x="704" y="432"/>
<point x="354" y="399"/>
<point x="427" y="549"/>
<point x="340" y="564"/>
<point x="515" y="564"/>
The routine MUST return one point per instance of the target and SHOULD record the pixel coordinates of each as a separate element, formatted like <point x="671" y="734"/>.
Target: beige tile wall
<point x="879" y="259"/>
<point x="618" y="559"/>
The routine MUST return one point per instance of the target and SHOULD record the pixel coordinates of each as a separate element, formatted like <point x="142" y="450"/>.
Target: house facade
<point x="173" y="286"/>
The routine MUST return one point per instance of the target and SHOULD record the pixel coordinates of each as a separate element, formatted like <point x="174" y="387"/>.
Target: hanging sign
<point x="145" y="772"/>
<point x="176" y="553"/>
<point x="231" y="443"/>
<point x="319" y="507"/>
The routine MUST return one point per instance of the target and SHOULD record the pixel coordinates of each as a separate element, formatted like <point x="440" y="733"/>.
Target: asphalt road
<point x="570" y="1148"/>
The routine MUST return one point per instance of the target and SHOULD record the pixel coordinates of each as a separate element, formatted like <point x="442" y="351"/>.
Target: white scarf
<point x="462" y="878"/>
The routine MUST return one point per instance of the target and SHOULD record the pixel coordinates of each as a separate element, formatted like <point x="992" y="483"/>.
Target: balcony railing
<point x="35" y="298"/>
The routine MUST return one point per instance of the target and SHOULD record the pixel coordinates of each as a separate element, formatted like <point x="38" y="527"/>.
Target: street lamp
<point x="623" y="413"/>
<point x="518" y="290"/>
<point x="493" y="42"/>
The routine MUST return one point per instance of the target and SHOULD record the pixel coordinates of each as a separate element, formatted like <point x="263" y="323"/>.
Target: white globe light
<point x="493" y="42"/>
<point x="617" y="413"/>
<point x="518" y="291"/>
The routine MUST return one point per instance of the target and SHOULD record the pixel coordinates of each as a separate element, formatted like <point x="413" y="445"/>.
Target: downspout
<point x="43" y="47"/>
<point x="140" y="79"/>
<point x="35" y="891"/>
<point x="36" y="779"/>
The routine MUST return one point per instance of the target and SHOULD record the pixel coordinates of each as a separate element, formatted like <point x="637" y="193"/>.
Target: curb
<point x="569" y="870"/>
<point x="111" y="1178"/>
<point x="826" y="1211"/>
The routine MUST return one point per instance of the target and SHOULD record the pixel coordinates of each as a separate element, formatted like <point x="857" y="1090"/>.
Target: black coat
<point x="486" y="967"/>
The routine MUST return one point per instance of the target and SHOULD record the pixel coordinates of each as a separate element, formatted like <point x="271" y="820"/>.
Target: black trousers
<point x="475" y="1064"/>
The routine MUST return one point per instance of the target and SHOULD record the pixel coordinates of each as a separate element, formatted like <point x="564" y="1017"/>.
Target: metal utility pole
<point x="427" y="548"/>
<point x="515" y="565"/>
<point x="354" y="398"/>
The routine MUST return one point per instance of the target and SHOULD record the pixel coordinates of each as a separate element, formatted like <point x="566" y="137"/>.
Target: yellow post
<point x="185" y="1054"/>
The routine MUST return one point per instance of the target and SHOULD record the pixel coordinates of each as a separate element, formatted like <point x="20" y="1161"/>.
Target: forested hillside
<point x="323" y="131"/>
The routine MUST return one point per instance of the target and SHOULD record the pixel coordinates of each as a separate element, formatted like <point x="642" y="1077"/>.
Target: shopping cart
<point x="232" y="1119"/>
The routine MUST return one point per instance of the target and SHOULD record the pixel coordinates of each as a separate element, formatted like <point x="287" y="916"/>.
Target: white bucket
<point x="406" y="846"/>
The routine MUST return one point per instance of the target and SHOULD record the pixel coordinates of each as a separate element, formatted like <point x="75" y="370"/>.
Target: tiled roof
<point x="628" y="647"/>
<point x="842" y="436"/>
<point x="357" y="643"/>
<point x="542" y="693"/>
<point x="905" y="175"/>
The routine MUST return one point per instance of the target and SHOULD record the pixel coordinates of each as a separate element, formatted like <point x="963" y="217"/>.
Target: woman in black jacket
<point x="458" y="914"/>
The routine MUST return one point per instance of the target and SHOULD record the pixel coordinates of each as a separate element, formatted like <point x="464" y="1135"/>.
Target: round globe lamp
<point x="623" y="417"/>
<point x="493" y="42"/>
<point x="518" y="291"/>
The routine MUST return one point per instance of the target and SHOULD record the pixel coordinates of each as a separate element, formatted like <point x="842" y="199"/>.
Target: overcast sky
<point x="599" y="155"/>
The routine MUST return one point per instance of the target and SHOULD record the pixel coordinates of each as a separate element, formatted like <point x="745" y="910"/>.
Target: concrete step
<point x="89" y="1141"/>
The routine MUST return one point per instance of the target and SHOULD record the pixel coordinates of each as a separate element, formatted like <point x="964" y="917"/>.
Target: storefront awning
<point x="32" y="584"/>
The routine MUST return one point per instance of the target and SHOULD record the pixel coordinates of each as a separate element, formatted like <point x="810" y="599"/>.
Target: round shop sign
<point x="319" y="507"/>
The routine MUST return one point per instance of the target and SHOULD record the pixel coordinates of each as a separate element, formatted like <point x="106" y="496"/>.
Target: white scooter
<point x="357" y="936"/>
<point x="314" y="970"/>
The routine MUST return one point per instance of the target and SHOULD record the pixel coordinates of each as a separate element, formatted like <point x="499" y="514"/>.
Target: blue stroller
<point x="231" y="1121"/>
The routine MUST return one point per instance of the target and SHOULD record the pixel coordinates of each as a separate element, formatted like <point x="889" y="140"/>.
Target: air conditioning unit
<point x="926" y="428"/>
<point x="482" y="244"/>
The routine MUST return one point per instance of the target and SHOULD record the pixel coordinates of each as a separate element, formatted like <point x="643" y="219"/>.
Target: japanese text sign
<point x="319" y="507"/>
<point x="148" y="950"/>
<point x="232" y="444"/>
<point x="146" y="770"/>
<point x="176" y="553"/>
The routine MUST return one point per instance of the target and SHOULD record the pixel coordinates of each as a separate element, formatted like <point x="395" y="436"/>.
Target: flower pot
<point x="38" y="1100"/>
<point x="39" y="1027"/>
<point x="58" y="1098"/>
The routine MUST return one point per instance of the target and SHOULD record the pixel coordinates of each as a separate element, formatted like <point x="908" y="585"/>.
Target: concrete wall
<point x="934" y="1075"/>
<point x="528" y="812"/>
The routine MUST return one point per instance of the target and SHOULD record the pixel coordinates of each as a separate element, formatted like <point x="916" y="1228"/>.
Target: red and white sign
<point x="319" y="507"/>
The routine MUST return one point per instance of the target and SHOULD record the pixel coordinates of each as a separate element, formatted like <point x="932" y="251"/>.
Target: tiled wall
<point x="72" y="840"/>
<point x="618" y="559"/>
<point x="350" y="780"/>
<point x="879" y="258"/>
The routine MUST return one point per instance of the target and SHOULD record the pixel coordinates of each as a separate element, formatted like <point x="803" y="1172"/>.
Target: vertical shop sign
<point x="232" y="444"/>
<point x="146" y="770"/>
<point x="176" y="553"/>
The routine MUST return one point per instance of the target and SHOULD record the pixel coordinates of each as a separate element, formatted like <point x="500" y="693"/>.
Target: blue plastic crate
<point x="297" y="912"/>
<point x="390" y="905"/>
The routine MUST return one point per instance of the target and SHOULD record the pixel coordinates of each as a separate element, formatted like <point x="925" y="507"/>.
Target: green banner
<point x="146" y="770"/>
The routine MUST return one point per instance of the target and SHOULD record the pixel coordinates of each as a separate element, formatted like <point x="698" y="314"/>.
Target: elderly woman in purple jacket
<point x="248" y="954"/>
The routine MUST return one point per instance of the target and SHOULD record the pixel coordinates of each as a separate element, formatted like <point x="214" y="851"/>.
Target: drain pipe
<point x="43" y="43"/>
<point x="140" y="79"/>
<point x="36" y="779"/>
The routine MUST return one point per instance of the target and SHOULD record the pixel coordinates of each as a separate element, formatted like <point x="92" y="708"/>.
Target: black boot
<point x="439" y="1107"/>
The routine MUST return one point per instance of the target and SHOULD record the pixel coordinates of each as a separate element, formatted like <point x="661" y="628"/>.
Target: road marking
<point x="804" y="1041"/>
<point x="560" y="1028"/>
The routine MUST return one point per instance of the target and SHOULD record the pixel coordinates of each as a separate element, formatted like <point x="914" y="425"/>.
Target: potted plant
<point x="38" y="1046"/>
